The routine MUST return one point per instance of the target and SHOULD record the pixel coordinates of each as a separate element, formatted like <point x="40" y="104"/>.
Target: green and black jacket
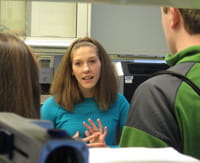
<point x="165" y="111"/>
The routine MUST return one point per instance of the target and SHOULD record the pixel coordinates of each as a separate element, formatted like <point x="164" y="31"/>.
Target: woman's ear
<point x="175" y="17"/>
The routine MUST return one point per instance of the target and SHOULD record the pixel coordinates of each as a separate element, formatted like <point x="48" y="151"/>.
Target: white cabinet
<point x="45" y="23"/>
<point x="121" y="29"/>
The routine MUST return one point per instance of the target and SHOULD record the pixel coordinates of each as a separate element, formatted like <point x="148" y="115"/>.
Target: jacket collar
<point x="191" y="54"/>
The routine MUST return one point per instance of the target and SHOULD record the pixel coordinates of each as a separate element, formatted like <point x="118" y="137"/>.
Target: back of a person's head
<point x="191" y="18"/>
<point x="19" y="84"/>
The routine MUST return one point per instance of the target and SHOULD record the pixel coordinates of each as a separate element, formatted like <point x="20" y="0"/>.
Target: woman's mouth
<point x="87" y="78"/>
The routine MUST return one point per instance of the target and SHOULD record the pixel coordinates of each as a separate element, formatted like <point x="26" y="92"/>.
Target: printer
<point x="131" y="73"/>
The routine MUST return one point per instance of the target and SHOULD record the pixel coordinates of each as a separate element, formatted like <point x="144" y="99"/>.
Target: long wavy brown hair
<point x="65" y="87"/>
<point x="19" y="81"/>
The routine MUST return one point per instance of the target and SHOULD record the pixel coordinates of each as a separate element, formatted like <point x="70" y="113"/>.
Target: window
<point x="45" y="23"/>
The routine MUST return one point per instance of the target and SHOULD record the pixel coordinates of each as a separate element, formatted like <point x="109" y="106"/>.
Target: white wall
<point x="124" y="29"/>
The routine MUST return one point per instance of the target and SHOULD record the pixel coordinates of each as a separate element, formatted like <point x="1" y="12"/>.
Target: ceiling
<point x="175" y="3"/>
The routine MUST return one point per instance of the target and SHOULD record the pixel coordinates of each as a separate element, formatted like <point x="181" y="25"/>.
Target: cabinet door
<point x="48" y="22"/>
<point x="12" y="17"/>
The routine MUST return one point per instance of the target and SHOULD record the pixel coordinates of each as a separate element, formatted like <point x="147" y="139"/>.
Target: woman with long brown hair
<point x="85" y="87"/>
<point x="19" y="81"/>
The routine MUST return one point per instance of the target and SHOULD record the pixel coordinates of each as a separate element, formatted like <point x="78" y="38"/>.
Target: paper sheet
<point x="138" y="155"/>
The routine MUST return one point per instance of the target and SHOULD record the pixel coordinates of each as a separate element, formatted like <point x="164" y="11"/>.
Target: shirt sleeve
<point x="48" y="110"/>
<point x="124" y="108"/>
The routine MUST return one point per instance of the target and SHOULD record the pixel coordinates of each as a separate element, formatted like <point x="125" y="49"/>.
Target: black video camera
<point x="25" y="140"/>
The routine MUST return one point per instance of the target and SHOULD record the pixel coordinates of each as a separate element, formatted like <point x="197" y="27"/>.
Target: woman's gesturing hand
<point x="95" y="135"/>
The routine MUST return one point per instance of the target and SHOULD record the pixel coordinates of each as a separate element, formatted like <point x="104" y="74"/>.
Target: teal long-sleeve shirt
<point x="114" y="118"/>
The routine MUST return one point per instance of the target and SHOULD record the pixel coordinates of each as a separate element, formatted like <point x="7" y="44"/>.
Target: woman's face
<point x="86" y="67"/>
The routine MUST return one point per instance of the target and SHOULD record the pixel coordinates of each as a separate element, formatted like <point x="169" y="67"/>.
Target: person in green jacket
<point x="165" y="110"/>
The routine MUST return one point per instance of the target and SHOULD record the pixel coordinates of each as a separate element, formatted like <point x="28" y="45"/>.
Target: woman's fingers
<point x="87" y="133"/>
<point x="105" y="131"/>
<point x="96" y="145"/>
<point x="88" y="127"/>
<point x="100" y="125"/>
<point x="95" y="129"/>
<point x="91" y="137"/>
<point x="92" y="128"/>
<point x="76" y="135"/>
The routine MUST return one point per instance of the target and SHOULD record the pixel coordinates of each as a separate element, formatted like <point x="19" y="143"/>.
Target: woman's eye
<point x="77" y="63"/>
<point x="92" y="61"/>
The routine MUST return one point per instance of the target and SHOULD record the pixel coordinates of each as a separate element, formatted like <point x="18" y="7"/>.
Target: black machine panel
<point x="137" y="72"/>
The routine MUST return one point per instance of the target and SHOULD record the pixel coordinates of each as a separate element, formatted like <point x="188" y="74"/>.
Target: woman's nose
<point x="86" y="67"/>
